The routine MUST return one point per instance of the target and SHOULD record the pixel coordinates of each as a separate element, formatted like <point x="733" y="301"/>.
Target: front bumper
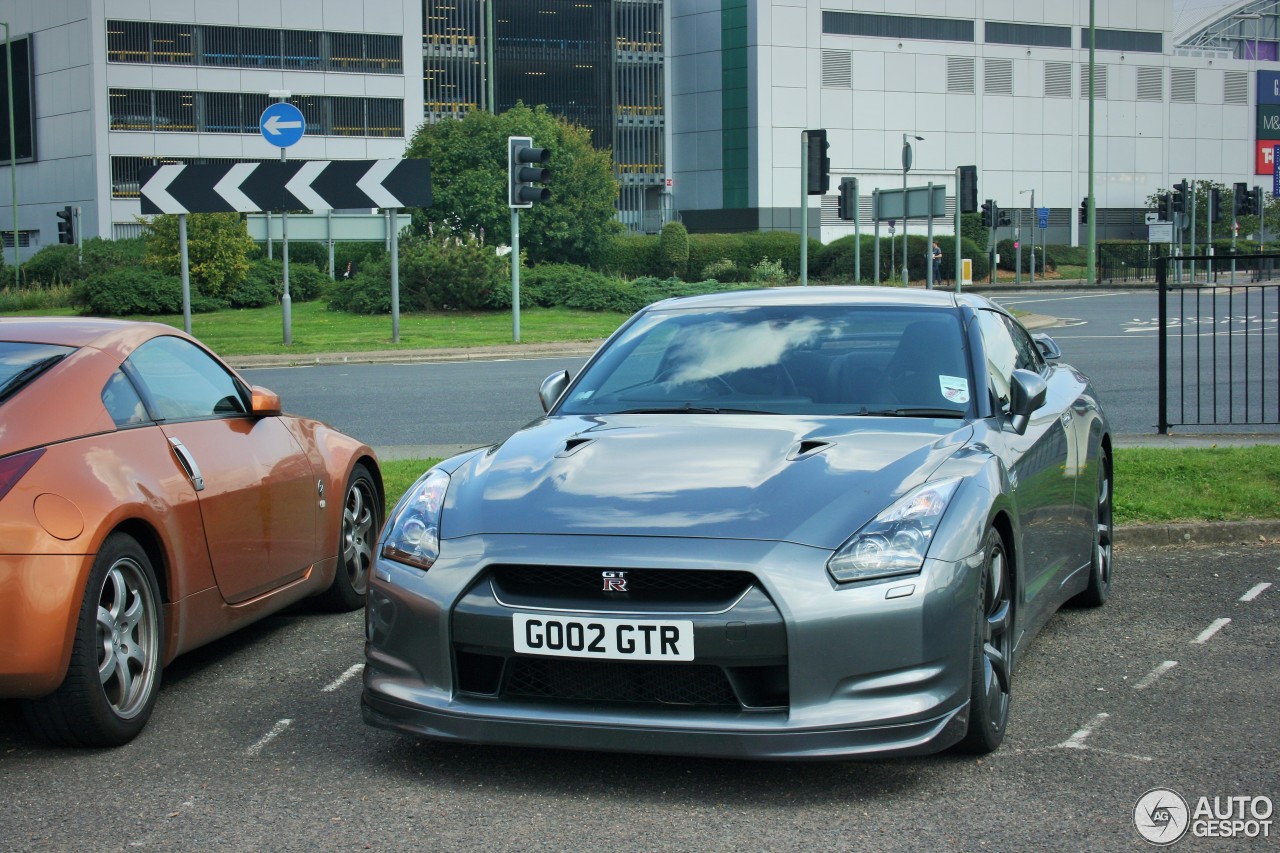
<point x="876" y="668"/>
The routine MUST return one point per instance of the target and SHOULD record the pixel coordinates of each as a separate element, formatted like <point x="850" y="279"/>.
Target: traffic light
<point x="1180" y="196"/>
<point x="819" y="162"/>
<point x="1257" y="202"/>
<point x="67" y="226"/>
<point x="1084" y="211"/>
<point x="524" y="170"/>
<point x="1240" y="199"/>
<point x="1002" y="218"/>
<point x="990" y="214"/>
<point x="1165" y="202"/>
<point x="1215" y="204"/>
<point x="848" y="203"/>
<point x="968" y="189"/>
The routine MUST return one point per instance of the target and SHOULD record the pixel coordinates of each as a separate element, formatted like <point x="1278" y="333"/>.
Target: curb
<point x="507" y="352"/>
<point x="1199" y="533"/>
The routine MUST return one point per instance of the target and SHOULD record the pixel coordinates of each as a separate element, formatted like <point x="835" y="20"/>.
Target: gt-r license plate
<point x="606" y="639"/>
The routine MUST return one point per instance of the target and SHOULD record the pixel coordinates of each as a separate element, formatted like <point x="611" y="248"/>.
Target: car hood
<point x="809" y="480"/>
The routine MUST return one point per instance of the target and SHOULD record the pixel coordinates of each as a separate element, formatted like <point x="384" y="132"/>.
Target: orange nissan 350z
<point x="151" y="501"/>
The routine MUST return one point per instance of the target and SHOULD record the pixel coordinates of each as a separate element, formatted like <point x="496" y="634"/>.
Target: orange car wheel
<point x="361" y="522"/>
<point x="114" y="673"/>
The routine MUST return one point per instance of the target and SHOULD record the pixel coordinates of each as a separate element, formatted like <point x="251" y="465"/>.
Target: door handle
<point x="188" y="463"/>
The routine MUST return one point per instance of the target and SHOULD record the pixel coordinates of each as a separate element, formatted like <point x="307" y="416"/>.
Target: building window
<point x="170" y="111"/>
<point x="961" y="75"/>
<point x="155" y="43"/>
<point x="896" y="26"/>
<point x="1133" y="41"/>
<point x="1031" y="35"/>
<point x="1057" y="79"/>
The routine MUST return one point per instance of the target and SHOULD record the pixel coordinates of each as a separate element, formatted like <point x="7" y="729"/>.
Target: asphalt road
<point x="435" y="409"/>
<point x="257" y="744"/>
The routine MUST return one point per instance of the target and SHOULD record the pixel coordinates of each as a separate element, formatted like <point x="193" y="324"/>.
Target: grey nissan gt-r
<point x="792" y="523"/>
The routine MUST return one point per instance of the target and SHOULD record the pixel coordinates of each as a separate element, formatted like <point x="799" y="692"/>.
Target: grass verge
<point x="1153" y="485"/>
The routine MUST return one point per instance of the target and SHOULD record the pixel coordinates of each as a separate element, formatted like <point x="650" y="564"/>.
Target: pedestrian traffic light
<point x="524" y="171"/>
<point x="848" y="203"/>
<point x="1240" y="199"/>
<point x="66" y="226"/>
<point x="968" y="189"/>
<point x="1180" y="196"/>
<point x="988" y="214"/>
<point x="1084" y="211"/>
<point x="1215" y="204"/>
<point x="819" y="178"/>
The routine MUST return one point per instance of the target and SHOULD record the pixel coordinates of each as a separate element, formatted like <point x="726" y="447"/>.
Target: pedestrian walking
<point x="937" y="262"/>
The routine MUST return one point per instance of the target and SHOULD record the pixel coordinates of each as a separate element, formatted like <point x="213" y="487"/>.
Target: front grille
<point x="605" y="681"/>
<point x="585" y="584"/>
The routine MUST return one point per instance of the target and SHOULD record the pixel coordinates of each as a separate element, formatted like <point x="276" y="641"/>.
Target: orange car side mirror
<point x="265" y="402"/>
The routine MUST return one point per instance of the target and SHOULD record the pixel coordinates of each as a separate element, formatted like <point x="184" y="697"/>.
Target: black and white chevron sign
<point x="285" y="185"/>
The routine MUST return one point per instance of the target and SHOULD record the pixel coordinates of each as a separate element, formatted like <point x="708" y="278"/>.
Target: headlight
<point x="896" y="540"/>
<point x="414" y="538"/>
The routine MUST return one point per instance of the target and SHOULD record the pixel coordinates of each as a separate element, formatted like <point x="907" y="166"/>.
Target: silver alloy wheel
<point x="128" y="638"/>
<point x="997" y="639"/>
<point x="358" y="533"/>
<point x="1102" y="539"/>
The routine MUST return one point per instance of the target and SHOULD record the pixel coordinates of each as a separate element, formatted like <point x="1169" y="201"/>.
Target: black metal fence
<point x="1219" y="360"/>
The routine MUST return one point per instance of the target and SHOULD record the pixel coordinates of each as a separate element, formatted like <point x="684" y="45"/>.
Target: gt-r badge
<point x="614" y="581"/>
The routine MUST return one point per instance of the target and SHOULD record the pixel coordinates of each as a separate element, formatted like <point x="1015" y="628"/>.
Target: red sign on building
<point x="1262" y="164"/>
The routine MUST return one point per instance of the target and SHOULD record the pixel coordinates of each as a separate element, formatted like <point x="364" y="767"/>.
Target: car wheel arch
<point x="149" y="539"/>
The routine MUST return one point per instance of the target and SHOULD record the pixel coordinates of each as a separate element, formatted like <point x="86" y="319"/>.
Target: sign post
<point x="282" y="124"/>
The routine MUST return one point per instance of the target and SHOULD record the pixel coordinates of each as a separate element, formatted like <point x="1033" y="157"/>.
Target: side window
<point x="183" y="382"/>
<point x="1029" y="357"/>
<point x="122" y="401"/>
<point x="1002" y="352"/>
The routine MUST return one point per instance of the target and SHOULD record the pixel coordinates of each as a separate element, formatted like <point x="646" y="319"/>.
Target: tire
<point x="114" y="674"/>
<point x="361" y="523"/>
<point x="1101" y="563"/>
<point x="989" y="689"/>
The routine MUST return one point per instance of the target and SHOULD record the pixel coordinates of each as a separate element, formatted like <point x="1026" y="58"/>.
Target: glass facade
<point x="176" y="111"/>
<point x="897" y="26"/>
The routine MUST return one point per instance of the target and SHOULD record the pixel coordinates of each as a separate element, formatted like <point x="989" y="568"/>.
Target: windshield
<point x="20" y="363"/>
<point x="802" y="360"/>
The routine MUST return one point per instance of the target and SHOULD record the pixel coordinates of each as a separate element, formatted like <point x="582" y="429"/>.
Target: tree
<point x="469" y="184"/>
<point x="673" y="243"/>
<point x="218" y="247"/>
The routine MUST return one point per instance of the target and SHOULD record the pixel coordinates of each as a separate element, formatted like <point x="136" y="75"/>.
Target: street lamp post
<point x="13" y="147"/>
<point x="1032" y="209"/>
<point x="906" y="167"/>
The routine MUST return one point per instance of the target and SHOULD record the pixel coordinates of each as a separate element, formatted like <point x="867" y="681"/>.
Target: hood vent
<point x="573" y="445"/>
<point x="808" y="447"/>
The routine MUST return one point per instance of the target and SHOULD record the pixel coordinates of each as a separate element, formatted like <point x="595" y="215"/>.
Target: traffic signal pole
<point x="804" y="208"/>
<point x="959" y="286"/>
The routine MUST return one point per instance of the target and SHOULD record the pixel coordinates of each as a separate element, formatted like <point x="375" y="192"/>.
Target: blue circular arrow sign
<point x="282" y="124"/>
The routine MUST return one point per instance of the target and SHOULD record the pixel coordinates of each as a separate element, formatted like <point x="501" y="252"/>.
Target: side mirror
<point x="263" y="403"/>
<point x="1027" y="393"/>
<point x="1048" y="347"/>
<point x="551" y="389"/>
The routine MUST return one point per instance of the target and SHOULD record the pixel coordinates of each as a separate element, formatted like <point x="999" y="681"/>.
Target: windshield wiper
<point x="689" y="409"/>
<point x="908" y="412"/>
<point x="28" y="373"/>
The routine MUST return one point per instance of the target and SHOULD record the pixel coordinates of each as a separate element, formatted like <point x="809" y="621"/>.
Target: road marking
<point x="276" y="730"/>
<point x="1076" y="741"/>
<point x="1255" y="592"/>
<point x="344" y="678"/>
<point x="1013" y="300"/>
<point x="1218" y="625"/>
<point x="1151" y="677"/>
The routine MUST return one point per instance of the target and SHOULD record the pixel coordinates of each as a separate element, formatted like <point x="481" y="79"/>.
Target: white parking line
<point x="344" y="678"/>
<point x="276" y="730"/>
<point x="1076" y="741"/>
<point x="1255" y="592"/>
<point x="1218" y="625"/>
<point x="1151" y="677"/>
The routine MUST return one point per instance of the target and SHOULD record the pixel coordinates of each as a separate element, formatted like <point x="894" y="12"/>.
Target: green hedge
<point x="435" y="275"/>
<point x="127" y="291"/>
<point x="641" y="255"/>
<point x="836" y="262"/>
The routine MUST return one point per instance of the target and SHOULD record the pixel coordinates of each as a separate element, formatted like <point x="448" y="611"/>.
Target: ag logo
<point x="1161" y="816"/>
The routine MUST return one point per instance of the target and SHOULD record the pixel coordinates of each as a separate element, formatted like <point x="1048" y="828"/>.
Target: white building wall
<point x="72" y="79"/>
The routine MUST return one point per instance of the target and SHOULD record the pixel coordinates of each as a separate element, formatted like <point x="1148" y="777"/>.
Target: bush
<point x="721" y="270"/>
<point x="51" y="266"/>
<point x="768" y="271"/>
<point x="123" y="292"/>
<point x="1009" y="256"/>
<point x="356" y="255"/>
<point x="218" y="248"/>
<point x="435" y="275"/>
<point x="33" y="298"/>
<point x="632" y="255"/>
<point x="673" y="245"/>
<point x="569" y="286"/>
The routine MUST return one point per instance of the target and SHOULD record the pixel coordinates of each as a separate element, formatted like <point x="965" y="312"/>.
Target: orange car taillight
<point x="13" y="467"/>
